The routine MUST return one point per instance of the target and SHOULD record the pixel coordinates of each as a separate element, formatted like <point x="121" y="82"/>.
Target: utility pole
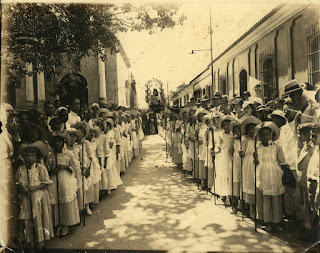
<point x="213" y="88"/>
<point x="168" y="93"/>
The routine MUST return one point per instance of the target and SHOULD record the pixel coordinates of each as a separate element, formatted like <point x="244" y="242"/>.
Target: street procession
<point x="115" y="137"/>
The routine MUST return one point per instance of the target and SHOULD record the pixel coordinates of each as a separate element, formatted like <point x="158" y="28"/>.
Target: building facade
<point x="282" y="46"/>
<point x="97" y="81"/>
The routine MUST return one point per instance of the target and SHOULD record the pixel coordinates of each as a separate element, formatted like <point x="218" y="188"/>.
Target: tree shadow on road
<point x="159" y="209"/>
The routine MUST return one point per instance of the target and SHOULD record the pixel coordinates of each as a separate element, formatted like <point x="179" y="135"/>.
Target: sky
<point x="165" y="55"/>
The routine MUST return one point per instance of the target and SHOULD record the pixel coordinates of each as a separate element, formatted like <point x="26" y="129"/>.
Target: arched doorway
<point x="73" y="85"/>
<point x="243" y="81"/>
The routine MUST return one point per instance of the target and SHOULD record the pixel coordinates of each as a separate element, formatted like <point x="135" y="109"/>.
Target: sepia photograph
<point x="160" y="126"/>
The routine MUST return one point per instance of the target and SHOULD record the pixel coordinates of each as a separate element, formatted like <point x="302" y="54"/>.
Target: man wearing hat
<point x="299" y="101"/>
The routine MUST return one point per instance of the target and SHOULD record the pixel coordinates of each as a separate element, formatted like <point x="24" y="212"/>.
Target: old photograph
<point x="160" y="126"/>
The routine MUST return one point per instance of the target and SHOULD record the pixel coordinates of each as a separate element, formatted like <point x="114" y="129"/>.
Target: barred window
<point x="266" y="61"/>
<point x="313" y="37"/>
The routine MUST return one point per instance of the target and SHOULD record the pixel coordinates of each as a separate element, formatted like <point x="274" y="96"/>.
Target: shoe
<point x="65" y="230"/>
<point x="57" y="233"/>
<point x="268" y="228"/>
<point x="88" y="211"/>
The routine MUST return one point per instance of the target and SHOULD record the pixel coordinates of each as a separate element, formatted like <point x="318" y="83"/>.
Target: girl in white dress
<point x="247" y="126"/>
<point x="269" y="157"/>
<point x="60" y="163"/>
<point x="32" y="183"/>
<point x="224" y="160"/>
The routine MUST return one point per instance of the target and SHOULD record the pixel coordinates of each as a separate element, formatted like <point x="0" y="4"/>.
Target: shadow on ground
<point x="158" y="209"/>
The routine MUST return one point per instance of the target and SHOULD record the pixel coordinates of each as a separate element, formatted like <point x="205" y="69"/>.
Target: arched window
<point x="243" y="81"/>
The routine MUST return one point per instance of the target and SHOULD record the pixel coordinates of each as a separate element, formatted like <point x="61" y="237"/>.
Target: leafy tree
<point x="58" y="35"/>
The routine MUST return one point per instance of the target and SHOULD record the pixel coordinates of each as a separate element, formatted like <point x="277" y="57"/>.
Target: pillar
<point x="102" y="80"/>
<point x="41" y="90"/>
<point x="29" y="87"/>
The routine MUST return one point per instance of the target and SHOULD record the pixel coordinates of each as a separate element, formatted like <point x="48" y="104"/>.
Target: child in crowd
<point x="223" y="159"/>
<point x="268" y="158"/>
<point x="32" y="183"/>
<point x="63" y="192"/>
<point x="247" y="126"/>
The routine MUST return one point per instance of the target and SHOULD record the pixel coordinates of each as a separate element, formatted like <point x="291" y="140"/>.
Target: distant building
<point x="282" y="46"/>
<point x="97" y="81"/>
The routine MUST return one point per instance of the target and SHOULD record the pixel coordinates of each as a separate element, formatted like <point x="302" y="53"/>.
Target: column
<point x="102" y="79"/>
<point x="41" y="90"/>
<point x="29" y="87"/>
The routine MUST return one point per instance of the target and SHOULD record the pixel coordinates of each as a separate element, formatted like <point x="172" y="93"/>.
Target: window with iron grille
<point x="267" y="75"/>
<point x="313" y="50"/>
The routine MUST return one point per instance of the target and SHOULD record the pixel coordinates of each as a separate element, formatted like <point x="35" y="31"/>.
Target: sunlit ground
<point x="158" y="209"/>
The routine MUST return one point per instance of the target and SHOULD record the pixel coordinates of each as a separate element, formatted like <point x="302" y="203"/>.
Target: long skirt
<point x="289" y="202"/>
<point x="122" y="165"/>
<point x="269" y="208"/>
<point x="236" y="189"/>
<point x="303" y="207"/>
<point x="89" y="195"/>
<point x="80" y="198"/>
<point x="176" y="157"/>
<point x="42" y="224"/>
<point x="96" y="192"/>
<point x="210" y="177"/>
<point x="202" y="170"/>
<point x="249" y="198"/>
<point x="69" y="213"/>
<point x="196" y="168"/>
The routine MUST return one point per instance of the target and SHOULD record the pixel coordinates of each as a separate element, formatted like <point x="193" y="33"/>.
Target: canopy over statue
<point x="155" y="95"/>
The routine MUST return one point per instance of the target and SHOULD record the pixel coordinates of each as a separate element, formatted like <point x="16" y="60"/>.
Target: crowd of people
<point x="57" y="165"/>
<point x="260" y="157"/>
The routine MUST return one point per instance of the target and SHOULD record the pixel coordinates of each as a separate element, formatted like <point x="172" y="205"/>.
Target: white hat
<point x="247" y="102"/>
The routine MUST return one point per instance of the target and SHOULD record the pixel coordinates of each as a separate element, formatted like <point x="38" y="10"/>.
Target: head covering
<point x="97" y="130"/>
<point x="62" y="108"/>
<point x="41" y="146"/>
<point x="249" y="120"/>
<point x="223" y="118"/>
<point x="55" y="134"/>
<point x="95" y="105"/>
<point x="308" y="125"/>
<point x="217" y="95"/>
<point x="277" y="113"/>
<point x="270" y="125"/>
<point x="201" y="111"/>
<point x="83" y="126"/>
<point x="110" y="121"/>
<point x="25" y="129"/>
<point x="74" y="131"/>
<point x="247" y="102"/>
<point x="247" y="93"/>
<point x="291" y="87"/>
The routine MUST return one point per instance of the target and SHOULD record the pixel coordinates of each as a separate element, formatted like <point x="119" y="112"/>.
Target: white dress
<point x="224" y="166"/>
<point x="269" y="172"/>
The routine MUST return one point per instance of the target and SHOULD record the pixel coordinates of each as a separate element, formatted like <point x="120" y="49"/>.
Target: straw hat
<point x="201" y="111"/>
<point x="97" y="130"/>
<point x="278" y="113"/>
<point x="223" y="118"/>
<point x="25" y="129"/>
<point x="309" y="125"/>
<point x="291" y="87"/>
<point x="247" y="102"/>
<point x="110" y="121"/>
<point x="74" y="131"/>
<point x="41" y="146"/>
<point x="249" y="120"/>
<point x="55" y="134"/>
<point x="268" y="124"/>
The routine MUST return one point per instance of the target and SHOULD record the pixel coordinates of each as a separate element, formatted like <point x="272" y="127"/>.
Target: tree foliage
<point x="58" y="35"/>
